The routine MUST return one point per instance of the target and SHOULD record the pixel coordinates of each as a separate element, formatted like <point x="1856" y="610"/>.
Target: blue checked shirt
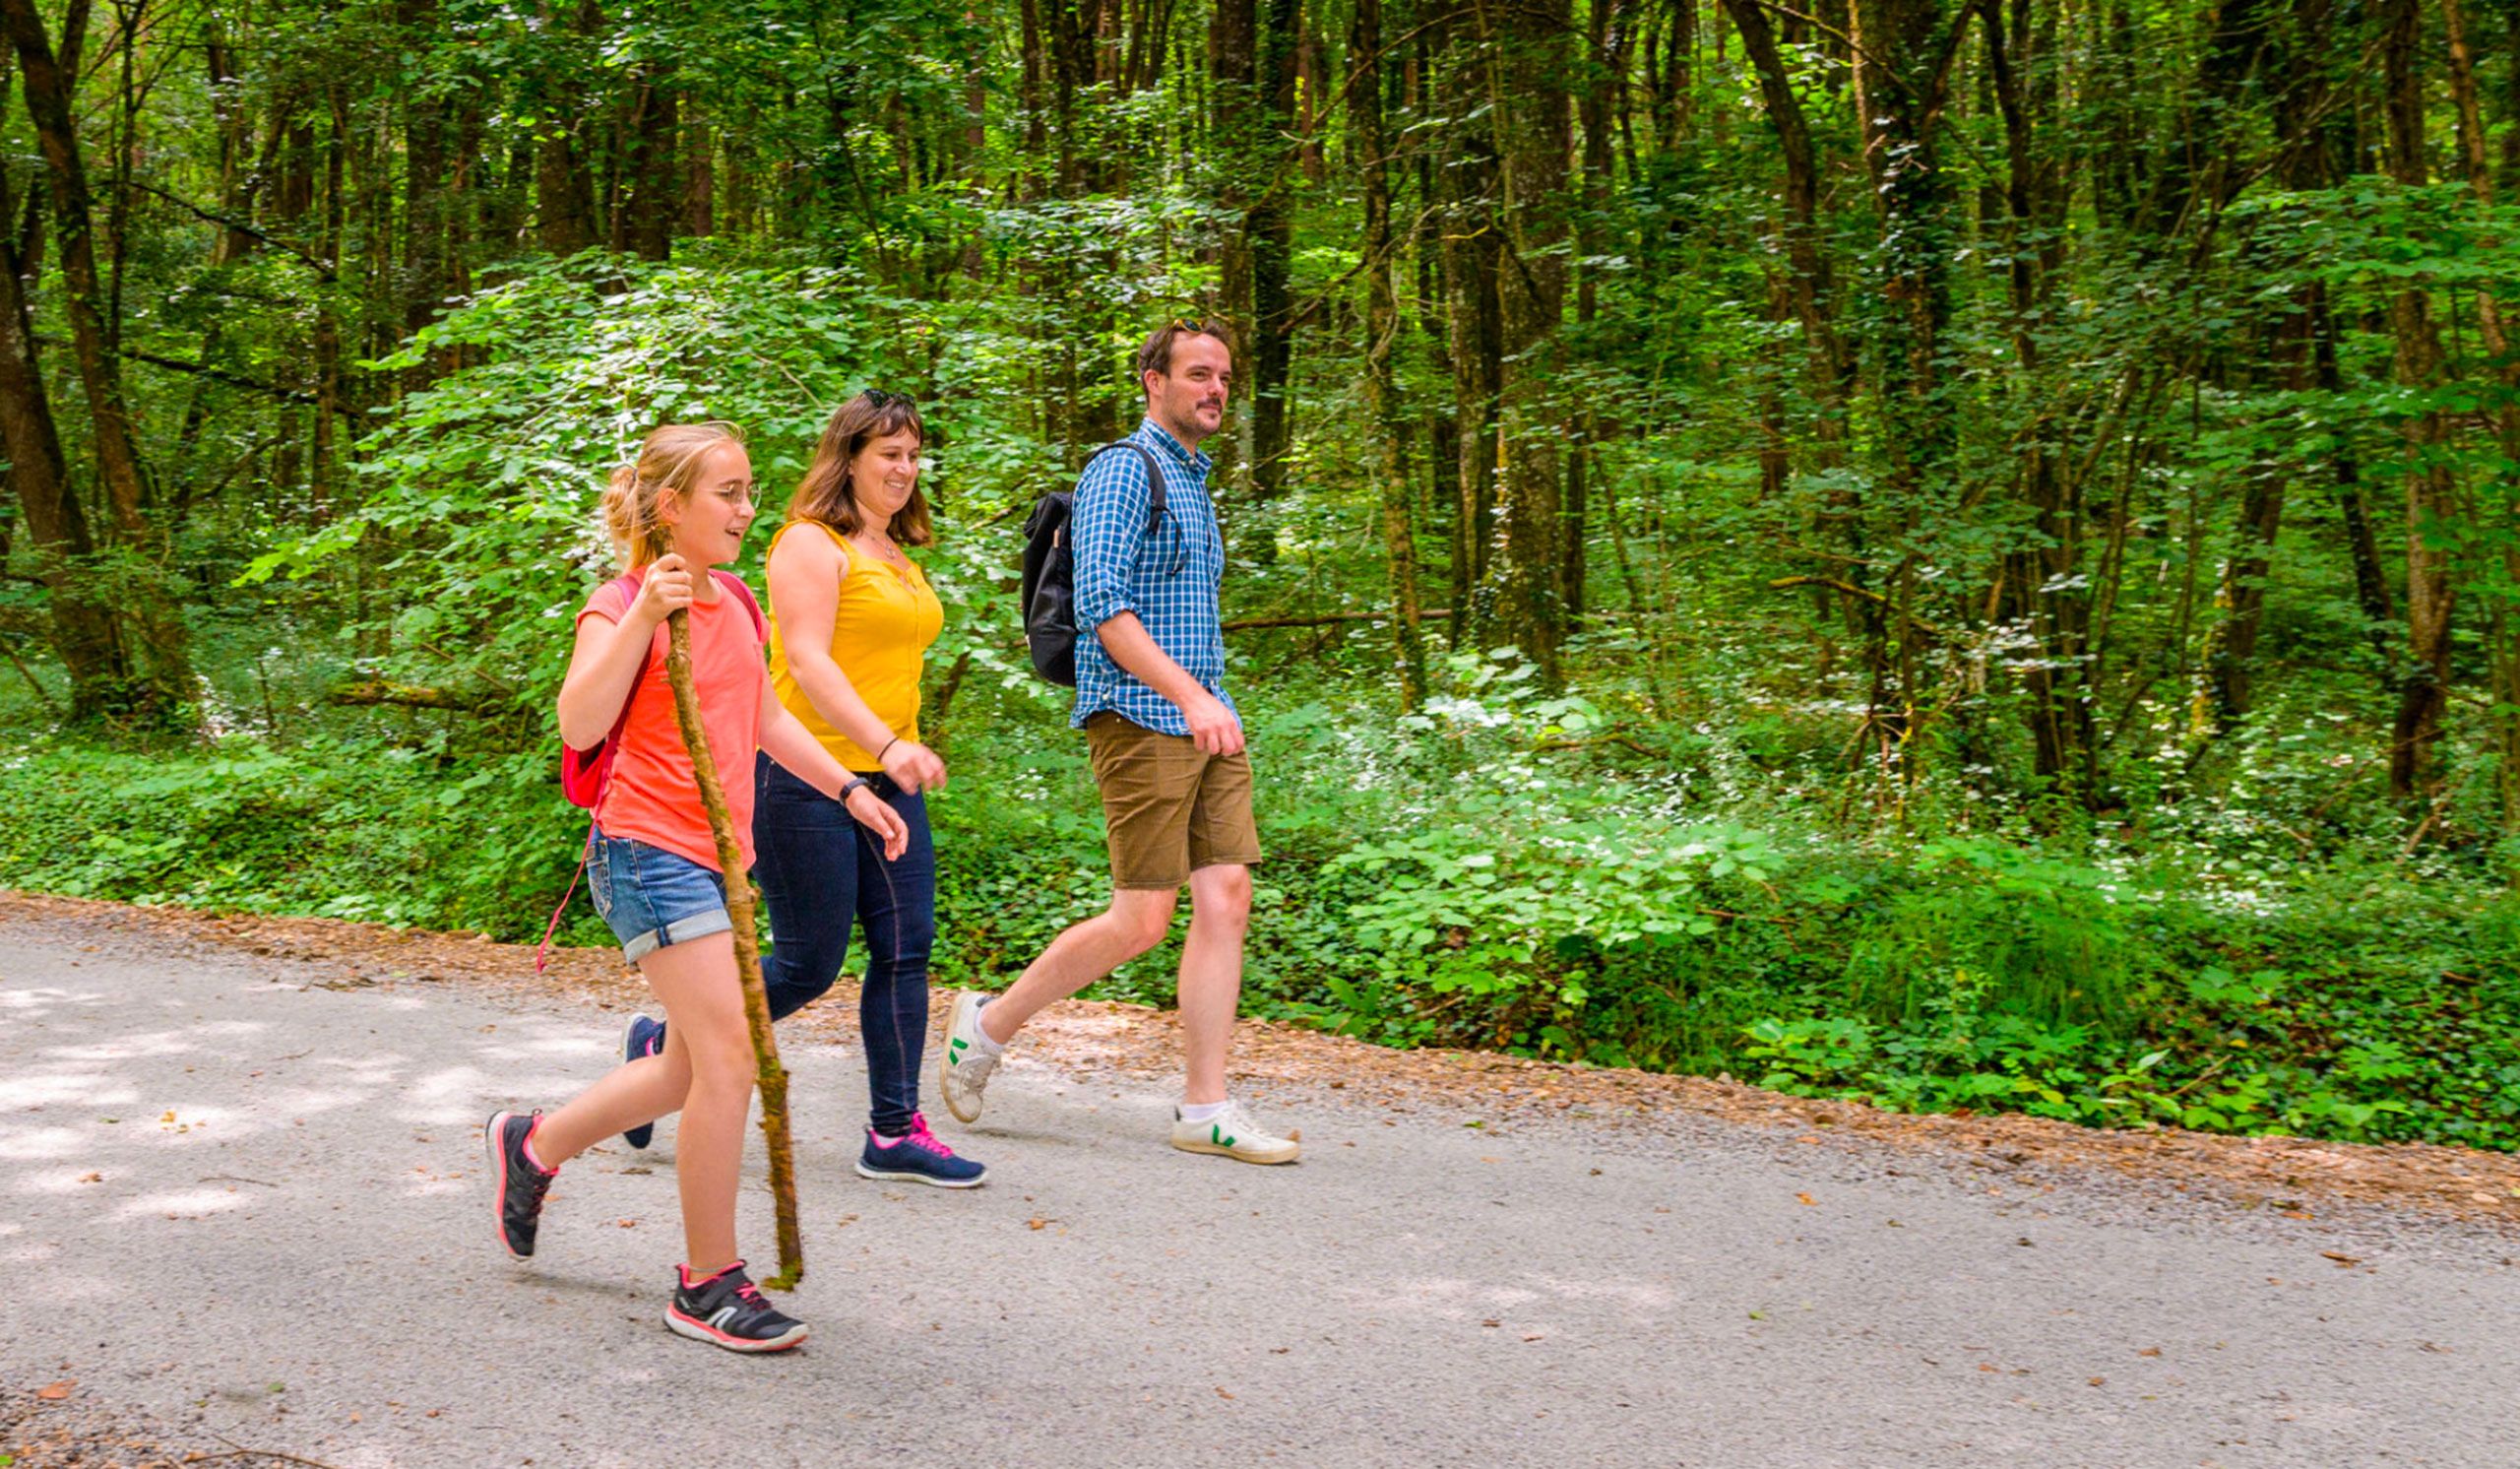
<point x="1170" y="579"/>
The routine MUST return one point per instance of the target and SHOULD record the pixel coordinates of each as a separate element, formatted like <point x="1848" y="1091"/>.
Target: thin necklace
<point x="882" y="548"/>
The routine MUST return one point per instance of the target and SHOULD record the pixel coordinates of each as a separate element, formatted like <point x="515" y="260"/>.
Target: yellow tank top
<point x="880" y="631"/>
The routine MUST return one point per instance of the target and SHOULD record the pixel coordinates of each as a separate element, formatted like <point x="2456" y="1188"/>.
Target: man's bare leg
<point x="1211" y="977"/>
<point x="1136" y="922"/>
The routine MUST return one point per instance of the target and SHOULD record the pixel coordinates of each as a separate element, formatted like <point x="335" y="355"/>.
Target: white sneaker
<point x="1234" y="1135"/>
<point x="964" y="1065"/>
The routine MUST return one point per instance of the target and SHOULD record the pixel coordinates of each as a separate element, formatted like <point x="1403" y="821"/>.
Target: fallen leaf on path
<point x="2099" y="1382"/>
<point x="56" y="1391"/>
<point x="91" y="1178"/>
<point x="1491" y="1322"/>
<point x="2150" y="1352"/>
<point x="1805" y="1199"/>
<point x="1036" y="1222"/>
<point x="2343" y="1262"/>
<point x="1227" y="1396"/>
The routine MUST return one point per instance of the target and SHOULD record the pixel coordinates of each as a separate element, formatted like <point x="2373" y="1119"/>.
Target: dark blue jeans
<point x="820" y="871"/>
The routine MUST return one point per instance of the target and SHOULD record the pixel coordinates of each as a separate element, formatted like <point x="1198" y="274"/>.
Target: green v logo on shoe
<point x="1215" y="1134"/>
<point x="954" y="1050"/>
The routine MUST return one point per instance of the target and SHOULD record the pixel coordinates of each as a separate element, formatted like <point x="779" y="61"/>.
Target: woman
<point x="852" y="620"/>
<point x="680" y="510"/>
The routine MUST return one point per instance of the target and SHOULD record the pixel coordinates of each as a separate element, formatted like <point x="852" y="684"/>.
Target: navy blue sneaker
<point x="919" y="1158"/>
<point x="517" y="1184"/>
<point x="641" y="1036"/>
<point x="725" y="1310"/>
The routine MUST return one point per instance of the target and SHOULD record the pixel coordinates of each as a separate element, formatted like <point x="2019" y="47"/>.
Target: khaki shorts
<point x="1168" y="808"/>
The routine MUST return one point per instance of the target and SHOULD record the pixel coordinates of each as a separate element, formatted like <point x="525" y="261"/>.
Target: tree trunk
<point x="1234" y="66"/>
<point x="85" y="636"/>
<point x="2303" y="164"/>
<point x="1473" y="267"/>
<point x="425" y="199"/>
<point x="1530" y="74"/>
<point x="2426" y="688"/>
<point x="2043" y="585"/>
<point x="563" y="183"/>
<point x="1270" y="225"/>
<point x="653" y="197"/>
<point x="2503" y="648"/>
<point x="699" y="180"/>
<point x="1382" y="329"/>
<point x="168" y="682"/>
<point x="1904" y="51"/>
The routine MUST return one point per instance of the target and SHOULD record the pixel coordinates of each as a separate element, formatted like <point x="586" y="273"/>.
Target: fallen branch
<point x="240" y="1451"/>
<point x="370" y="692"/>
<point x="1578" y="744"/>
<point x="1785" y="583"/>
<point x="1328" y="620"/>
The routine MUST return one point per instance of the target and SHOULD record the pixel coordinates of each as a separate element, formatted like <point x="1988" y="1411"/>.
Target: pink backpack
<point x="585" y="775"/>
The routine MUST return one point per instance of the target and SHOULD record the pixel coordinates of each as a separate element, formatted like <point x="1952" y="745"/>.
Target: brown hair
<point x="824" y="497"/>
<point x="1155" y="354"/>
<point x="668" y="461"/>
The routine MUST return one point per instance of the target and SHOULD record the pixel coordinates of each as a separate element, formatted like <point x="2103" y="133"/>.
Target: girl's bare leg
<point x="707" y="1068"/>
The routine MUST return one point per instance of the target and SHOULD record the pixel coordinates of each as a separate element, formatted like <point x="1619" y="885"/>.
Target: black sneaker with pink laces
<point x="726" y="1309"/>
<point x="917" y="1157"/>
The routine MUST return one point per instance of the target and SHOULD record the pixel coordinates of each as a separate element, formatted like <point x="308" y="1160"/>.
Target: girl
<point x="654" y="875"/>
<point x="854" y="620"/>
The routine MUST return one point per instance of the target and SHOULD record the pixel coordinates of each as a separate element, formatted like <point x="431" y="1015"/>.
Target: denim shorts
<point x="653" y="898"/>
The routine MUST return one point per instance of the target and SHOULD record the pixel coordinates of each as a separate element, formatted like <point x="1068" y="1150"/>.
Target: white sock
<point x="1204" y="1111"/>
<point x="979" y="1034"/>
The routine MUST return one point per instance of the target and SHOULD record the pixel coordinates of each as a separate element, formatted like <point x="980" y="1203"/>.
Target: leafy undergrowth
<point x="1611" y="921"/>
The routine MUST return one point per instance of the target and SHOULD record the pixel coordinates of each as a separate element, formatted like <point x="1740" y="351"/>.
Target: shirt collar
<point x="1157" y="436"/>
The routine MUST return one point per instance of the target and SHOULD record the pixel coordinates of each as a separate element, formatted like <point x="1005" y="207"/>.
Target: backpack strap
<point x="543" y="955"/>
<point x="627" y="586"/>
<point x="1154" y="479"/>
<point x="734" y="586"/>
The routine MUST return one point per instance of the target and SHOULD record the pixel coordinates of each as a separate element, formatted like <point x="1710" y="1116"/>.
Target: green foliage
<point x="1785" y="816"/>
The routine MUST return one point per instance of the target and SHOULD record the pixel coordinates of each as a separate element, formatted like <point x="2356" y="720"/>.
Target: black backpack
<point x="1050" y="569"/>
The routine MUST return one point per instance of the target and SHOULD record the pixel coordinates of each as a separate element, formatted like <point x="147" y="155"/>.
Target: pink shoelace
<point x="919" y="1136"/>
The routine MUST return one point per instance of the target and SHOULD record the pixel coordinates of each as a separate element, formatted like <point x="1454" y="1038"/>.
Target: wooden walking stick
<point x="771" y="1077"/>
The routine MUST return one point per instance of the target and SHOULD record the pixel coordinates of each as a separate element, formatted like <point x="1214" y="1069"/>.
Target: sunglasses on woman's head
<point x="877" y="398"/>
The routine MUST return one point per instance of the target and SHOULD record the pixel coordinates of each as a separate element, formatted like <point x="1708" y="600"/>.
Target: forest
<point x="1956" y="553"/>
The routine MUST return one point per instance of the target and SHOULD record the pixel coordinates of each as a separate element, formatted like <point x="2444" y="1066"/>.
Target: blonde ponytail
<point x="668" y="461"/>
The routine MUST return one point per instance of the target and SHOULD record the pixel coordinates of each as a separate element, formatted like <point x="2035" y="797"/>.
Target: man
<point x="1168" y="754"/>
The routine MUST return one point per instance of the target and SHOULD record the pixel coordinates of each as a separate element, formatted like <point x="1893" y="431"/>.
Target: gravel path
<point x="244" y="1212"/>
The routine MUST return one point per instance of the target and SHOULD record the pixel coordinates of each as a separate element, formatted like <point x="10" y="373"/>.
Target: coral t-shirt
<point x="654" y="796"/>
